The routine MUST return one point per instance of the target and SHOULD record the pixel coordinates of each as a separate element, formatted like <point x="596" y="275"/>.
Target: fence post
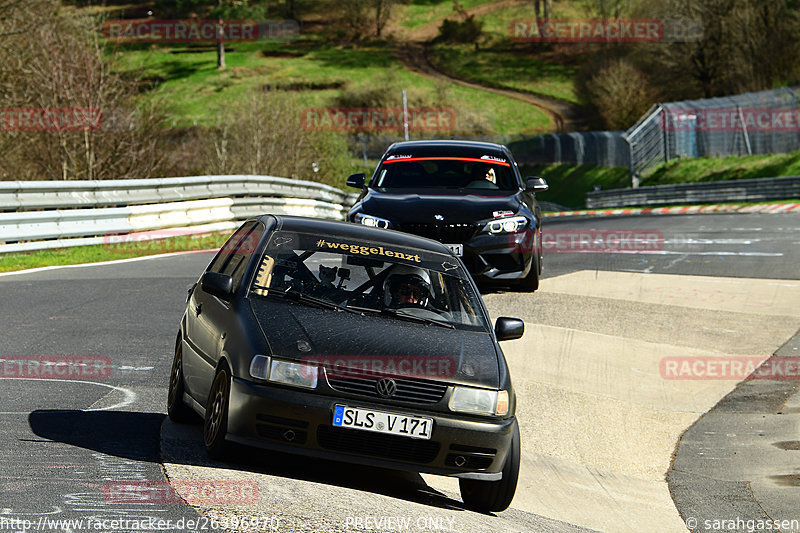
<point x="744" y="131"/>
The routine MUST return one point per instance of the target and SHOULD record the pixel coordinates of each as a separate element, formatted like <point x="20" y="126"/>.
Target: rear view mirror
<point x="508" y="329"/>
<point x="536" y="184"/>
<point x="357" y="180"/>
<point x="216" y="284"/>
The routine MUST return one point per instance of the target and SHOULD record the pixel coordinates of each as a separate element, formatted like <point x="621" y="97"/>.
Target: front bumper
<point x="300" y="422"/>
<point x="503" y="257"/>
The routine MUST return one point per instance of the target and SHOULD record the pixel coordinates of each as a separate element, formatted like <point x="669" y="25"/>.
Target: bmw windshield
<point x="368" y="277"/>
<point x="484" y="175"/>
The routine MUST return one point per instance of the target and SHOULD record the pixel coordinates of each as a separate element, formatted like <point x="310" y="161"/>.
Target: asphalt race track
<point x="604" y="425"/>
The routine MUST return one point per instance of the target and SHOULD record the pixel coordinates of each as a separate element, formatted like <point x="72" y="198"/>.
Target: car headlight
<point x="285" y="372"/>
<point x="369" y="220"/>
<point x="479" y="401"/>
<point x="506" y="225"/>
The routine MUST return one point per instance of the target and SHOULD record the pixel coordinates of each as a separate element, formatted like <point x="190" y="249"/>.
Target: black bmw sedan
<point x="354" y="344"/>
<point x="467" y="195"/>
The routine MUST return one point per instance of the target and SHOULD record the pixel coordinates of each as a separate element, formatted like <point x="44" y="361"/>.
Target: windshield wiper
<point x="294" y="294"/>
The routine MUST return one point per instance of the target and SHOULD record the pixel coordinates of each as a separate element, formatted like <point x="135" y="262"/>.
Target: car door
<point x="208" y="315"/>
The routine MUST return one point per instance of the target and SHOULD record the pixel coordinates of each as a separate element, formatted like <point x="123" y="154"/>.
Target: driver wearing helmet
<point x="407" y="286"/>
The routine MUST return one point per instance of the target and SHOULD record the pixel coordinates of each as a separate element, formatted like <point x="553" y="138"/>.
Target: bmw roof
<point x="447" y="147"/>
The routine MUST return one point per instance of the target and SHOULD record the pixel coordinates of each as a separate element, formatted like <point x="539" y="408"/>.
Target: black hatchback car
<point x="350" y="343"/>
<point x="467" y="195"/>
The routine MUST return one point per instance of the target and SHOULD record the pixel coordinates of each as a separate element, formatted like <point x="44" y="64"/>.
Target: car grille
<point x="408" y="390"/>
<point x="446" y="233"/>
<point x="371" y="444"/>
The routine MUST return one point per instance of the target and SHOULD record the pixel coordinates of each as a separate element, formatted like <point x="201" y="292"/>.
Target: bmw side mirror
<point x="535" y="184"/>
<point x="357" y="180"/>
<point x="508" y="329"/>
<point x="216" y="284"/>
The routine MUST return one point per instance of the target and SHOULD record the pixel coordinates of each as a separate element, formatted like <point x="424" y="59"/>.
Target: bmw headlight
<point x="369" y="220"/>
<point x="479" y="401"/>
<point x="506" y="225"/>
<point x="285" y="372"/>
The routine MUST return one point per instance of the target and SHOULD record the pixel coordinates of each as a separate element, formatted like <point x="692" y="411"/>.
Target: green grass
<point x="507" y="69"/>
<point x="501" y="63"/>
<point x="418" y="13"/>
<point x="725" y="168"/>
<point x="197" y="92"/>
<point x="108" y="252"/>
<point x="570" y="183"/>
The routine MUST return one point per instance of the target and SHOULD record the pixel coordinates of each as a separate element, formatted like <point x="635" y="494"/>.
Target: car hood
<point x="423" y="208"/>
<point x="299" y="332"/>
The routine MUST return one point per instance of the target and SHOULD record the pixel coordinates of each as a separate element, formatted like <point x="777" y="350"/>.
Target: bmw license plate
<point x="382" y="422"/>
<point x="457" y="249"/>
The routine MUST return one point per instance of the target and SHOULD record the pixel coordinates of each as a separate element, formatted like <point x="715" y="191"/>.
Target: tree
<point x="61" y="67"/>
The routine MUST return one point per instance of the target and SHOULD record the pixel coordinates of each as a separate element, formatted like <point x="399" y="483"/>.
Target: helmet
<point x="407" y="285"/>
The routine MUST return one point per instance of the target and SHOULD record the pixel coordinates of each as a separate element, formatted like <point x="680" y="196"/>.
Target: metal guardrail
<point x="750" y="190"/>
<point x="36" y="215"/>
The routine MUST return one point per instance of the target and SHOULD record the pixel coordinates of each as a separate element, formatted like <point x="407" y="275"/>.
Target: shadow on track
<point x="137" y="436"/>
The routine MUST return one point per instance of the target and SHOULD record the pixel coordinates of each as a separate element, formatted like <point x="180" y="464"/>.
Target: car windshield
<point x="369" y="277"/>
<point x="462" y="175"/>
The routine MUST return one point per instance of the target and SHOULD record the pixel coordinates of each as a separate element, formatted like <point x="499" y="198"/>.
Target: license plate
<point x="382" y="422"/>
<point x="457" y="249"/>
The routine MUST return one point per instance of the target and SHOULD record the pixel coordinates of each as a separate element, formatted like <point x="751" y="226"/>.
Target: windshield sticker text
<point x="359" y="249"/>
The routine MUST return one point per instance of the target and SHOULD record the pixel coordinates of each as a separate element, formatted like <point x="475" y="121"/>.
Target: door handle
<point x="198" y="309"/>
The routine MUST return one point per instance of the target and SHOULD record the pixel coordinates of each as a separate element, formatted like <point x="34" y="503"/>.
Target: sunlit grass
<point x="109" y="252"/>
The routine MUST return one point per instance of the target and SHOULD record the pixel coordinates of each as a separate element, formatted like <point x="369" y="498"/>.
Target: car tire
<point x="494" y="496"/>
<point x="177" y="410"/>
<point x="530" y="282"/>
<point x="215" y="425"/>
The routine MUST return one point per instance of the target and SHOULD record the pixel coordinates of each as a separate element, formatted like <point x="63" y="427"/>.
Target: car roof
<point x="351" y="230"/>
<point x="448" y="147"/>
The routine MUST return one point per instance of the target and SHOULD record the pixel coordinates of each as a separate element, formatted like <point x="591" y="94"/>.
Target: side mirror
<point x="508" y="329"/>
<point x="216" y="284"/>
<point x="357" y="180"/>
<point x="535" y="184"/>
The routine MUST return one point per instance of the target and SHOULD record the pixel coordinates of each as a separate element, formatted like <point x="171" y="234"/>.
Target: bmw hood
<point x="428" y="208"/>
<point x="377" y="343"/>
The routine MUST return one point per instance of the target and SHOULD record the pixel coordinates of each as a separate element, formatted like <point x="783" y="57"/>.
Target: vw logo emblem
<point x="438" y="217"/>
<point x="386" y="387"/>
